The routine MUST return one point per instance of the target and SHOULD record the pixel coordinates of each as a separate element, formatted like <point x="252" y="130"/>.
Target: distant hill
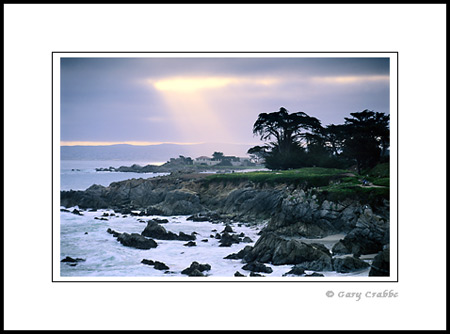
<point x="153" y="153"/>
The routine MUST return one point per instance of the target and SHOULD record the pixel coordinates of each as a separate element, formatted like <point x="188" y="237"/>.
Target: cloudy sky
<point x="209" y="99"/>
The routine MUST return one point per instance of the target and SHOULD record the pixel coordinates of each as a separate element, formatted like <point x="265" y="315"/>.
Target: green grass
<point x="384" y="182"/>
<point x="308" y="177"/>
<point x="329" y="183"/>
<point x="343" y="192"/>
<point x="380" y="171"/>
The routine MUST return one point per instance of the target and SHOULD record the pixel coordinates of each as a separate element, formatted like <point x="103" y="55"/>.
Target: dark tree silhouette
<point x="334" y="136"/>
<point x="288" y="136"/>
<point x="287" y="129"/>
<point x="258" y="153"/>
<point x="218" y="155"/>
<point x="366" y="136"/>
<point x="298" y="140"/>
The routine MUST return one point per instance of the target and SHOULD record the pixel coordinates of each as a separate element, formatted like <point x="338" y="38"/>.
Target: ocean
<point x="85" y="237"/>
<point x="80" y="175"/>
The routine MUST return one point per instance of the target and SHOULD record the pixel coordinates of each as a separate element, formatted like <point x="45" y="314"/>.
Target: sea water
<point x="84" y="236"/>
<point x="80" y="175"/>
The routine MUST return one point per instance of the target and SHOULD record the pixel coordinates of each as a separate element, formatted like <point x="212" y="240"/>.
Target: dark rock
<point x="114" y="233"/>
<point x="217" y="236"/>
<point x="321" y="264"/>
<point x="190" y="244"/>
<point x="239" y="255"/>
<point x="72" y="260"/>
<point x="105" y="214"/>
<point x="160" y="266"/>
<point x="64" y="210"/>
<point x="232" y="256"/>
<point x="152" y="211"/>
<point x="348" y="264"/>
<point x="204" y="240"/>
<point x="85" y="233"/>
<point x="252" y="274"/>
<point x="126" y="211"/>
<point x="315" y="275"/>
<point x="247" y="240"/>
<point x="228" y="229"/>
<point x="260" y="203"/>
<point x="203" y="217"/>
<point x="160" y="221"/>
<point x="227" y="240"/>
<point x="369" y="235"/>
<point x="238" y="274"/>
<point x="381" y="264"/>
<point x="296" y="270"/>
<point x="77" y="212"/>
<point x="148" y="262"/>
<point x="340" y="249"/>
<point x="277" y="250"/>
<point x="180" y="202"/>
<point x="257" y="267"/>
<point x="197" y="218"/>
<point x="154" y="230"/>
<point x="322" y="247"/>
<point x="186" y="237"/>
<point x="195" y="266"/>
<point x="136" y="240"/>
<point x="195" y="273"/>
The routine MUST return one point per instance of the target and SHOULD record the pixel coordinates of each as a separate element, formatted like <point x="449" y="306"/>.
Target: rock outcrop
<point x="196" y="269"/>
<point x="136" y="240"/>
<point x="370" y="234"/>
<point x="348" y="264"/>
<point x="291" y="212"/>
<point x="69" y="259"/>
<point x="156" y="231"/>
<point x="272" y="248"/>
<point x="381" y="264"/>
<point x="296" y="270"/>
<point x="257" y="267"/>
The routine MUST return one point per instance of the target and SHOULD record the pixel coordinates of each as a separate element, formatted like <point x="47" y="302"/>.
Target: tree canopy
<point x="296" y="140"/>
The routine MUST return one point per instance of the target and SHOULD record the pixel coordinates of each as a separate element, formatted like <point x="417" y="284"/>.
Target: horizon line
<point x="110" y="143"/>
<point x="137" y="143"/>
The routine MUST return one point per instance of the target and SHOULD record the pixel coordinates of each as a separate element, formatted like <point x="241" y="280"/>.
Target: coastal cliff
<point x="292" y="210"/>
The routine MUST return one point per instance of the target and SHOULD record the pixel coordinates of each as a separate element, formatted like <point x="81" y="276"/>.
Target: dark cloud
<point x="110" y="99"/>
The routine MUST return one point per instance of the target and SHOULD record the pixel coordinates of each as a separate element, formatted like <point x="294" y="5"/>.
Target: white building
<point x="206" y="161"/>
<point x="235" y="161"/>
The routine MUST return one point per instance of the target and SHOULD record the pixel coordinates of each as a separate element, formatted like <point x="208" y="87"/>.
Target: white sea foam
<point x="106" y="257"/>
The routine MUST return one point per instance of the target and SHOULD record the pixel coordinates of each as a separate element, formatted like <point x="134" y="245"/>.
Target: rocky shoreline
<point x="171" y="167"/>
<point x="291" y="213"/>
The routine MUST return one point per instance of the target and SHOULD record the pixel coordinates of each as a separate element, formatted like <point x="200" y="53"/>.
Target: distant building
<point x="234" y="161"/>
<point x="204" y="160"/>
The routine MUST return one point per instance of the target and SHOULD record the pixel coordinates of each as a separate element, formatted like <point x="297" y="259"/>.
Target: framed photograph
<point x="225" y="167"/>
